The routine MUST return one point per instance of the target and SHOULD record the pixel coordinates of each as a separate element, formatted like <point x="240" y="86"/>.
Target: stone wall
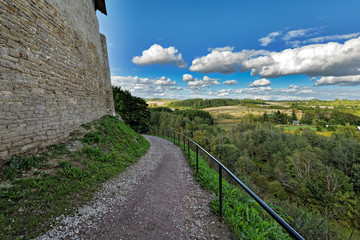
<point x="54" y="72"/>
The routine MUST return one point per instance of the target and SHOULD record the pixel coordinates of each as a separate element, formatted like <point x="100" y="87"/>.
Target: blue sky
<point x="276" y="50"/>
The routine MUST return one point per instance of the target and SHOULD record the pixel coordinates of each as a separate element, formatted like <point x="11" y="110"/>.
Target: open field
<point x="240" y="111"/>
<point x="159" y="102"/>
<point x="228" y="116"/>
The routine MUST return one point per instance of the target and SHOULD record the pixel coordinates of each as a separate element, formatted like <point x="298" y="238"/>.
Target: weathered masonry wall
<point x="54" y="72"/>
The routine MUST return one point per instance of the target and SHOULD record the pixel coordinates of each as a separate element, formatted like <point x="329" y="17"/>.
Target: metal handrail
<point x="272" y="213"/>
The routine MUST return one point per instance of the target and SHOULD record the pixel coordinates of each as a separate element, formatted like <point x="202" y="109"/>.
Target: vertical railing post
<point x="197" y="159"/>
<point x="174" y="137"/>
<point x="184" y="142"/>
<point x="220" y="190"/>
<point x="188" y="148"/>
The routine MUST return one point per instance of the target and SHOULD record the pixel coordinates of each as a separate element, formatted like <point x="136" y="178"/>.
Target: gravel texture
<point x="156" y="198"/>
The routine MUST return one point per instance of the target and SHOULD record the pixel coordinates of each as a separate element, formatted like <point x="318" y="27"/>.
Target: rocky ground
<point x="156" y="198"/>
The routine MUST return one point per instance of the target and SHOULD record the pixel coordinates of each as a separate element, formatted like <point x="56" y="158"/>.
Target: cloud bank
<point x="146" y="87"/>
<point x="223" y="60"/>
<point x="330" y="59"/>
<point x="196" y="84"/>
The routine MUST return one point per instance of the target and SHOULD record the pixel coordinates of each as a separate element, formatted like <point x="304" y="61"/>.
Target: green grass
<point x="30" y="204"/>
<point x="245" y="217"/>
<point x="295" y="128"/>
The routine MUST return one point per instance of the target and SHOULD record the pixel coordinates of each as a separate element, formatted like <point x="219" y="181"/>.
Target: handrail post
<point x="174" y="137"/>
<point x="188" y="148"/>
<point x="220" y="190"/>
<point x="184" y="142"/>
<point x="197" y="159"/>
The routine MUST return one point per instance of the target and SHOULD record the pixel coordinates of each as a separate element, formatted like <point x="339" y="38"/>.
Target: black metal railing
<point x="172" y="135"/>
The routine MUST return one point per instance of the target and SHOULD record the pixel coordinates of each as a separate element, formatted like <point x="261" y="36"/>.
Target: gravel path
<point x="156" y="198"/>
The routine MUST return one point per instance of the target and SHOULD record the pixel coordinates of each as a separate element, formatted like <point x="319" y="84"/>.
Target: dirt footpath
<point x="156" y="198"/>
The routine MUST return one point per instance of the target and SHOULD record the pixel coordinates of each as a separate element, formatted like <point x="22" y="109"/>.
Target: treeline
<point x="314" y="179"/>
<point x="133" y="110"/>
<point x="217" y="102"/>
<point x="323" y="119"/>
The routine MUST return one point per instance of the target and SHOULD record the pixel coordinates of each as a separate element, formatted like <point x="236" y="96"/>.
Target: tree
<point x="293" y="115"/>
<point x="133" y="110"/>
<point x="307" y="118"/>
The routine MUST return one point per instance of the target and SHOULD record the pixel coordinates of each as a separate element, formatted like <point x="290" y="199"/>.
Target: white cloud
<point x="269" y="38"/>
<point x="260" y="83"/>
<point x="156" y="54"/>
<point x="224" y="61"/>
<point x="188" y="78"/>
<point x="306" y="91"/>
<point x="221" y="49"/>
<point x="293" y="89"/>
<point x="353" y="80"/>
<point x="165" y="81"/>
<point x="330" y="59"/>
<point x="197" y="84"/>
<point x="260" y="89"/>
<point x="297" y="33"/>
<point x="223" y="94"/>
<point x="146" y="87"/>
<point x="220" y="93"/>
<point x="230" y="82"/>
<point x="331" y="38"/>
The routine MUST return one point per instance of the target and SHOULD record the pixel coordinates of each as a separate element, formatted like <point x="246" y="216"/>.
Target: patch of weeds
<point x="16" y="165"/>
<point x="64" y="164"/>
<point x="58" y="149"/>
<point x="28" y="207"/>
<point x="86" y="126"/>
<point x="92" y="137"/>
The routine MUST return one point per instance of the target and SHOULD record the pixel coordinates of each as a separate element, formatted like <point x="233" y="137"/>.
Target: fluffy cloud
<point x="146" y="87"/>
<point x="341" y="81"/>
<point x="260" y="83"/>
<point x="269" y="38"/>
<point x="223" y="60"/>
<point x="220" y="93"/>
<point x="188" y="78"/>
<point x="197" y="84"/>
<point x="156" y="54"/>
<point x="330" y="59"/>
<point x="230" y="82"/>
<point x="165" y="81"/>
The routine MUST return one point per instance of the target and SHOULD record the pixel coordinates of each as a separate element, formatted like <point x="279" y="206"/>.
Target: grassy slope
<point x="245" y="217"/>
<point x="58" y="181"/>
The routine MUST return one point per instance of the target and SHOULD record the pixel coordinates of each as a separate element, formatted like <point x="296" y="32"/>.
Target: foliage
<point x="319" y="174"/>
<point x="245" y="217"/>
<point x="133" y="110"/>
<point x="199" y="103"/>
<point x="29" y="205"/>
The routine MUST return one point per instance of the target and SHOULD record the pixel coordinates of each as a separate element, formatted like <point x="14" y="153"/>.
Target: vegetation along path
<point x="156" y="198"/>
